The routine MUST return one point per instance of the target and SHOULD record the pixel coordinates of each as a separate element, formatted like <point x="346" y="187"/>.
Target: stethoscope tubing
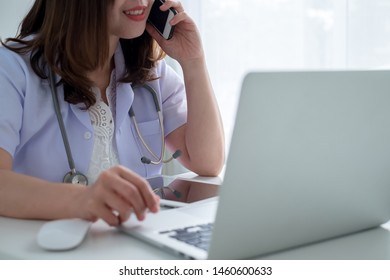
<point x="61" y="124"/>
<point x="76" y="177"/>
<point x="162" y="152"/>
<point x="158" y="159"/>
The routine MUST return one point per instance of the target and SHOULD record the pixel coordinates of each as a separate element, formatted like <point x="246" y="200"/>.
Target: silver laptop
<point x="309" y="160"/>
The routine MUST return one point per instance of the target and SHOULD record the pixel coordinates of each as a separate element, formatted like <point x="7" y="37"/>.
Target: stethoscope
<point x="76" y="177"/>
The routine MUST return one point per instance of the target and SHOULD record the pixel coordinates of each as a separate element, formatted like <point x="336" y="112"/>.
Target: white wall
<point x="11" y="14"/>
<point x="289" y="34"/>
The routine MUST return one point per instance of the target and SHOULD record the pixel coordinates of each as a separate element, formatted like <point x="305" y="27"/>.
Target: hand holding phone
<point x="160" y="20"/>
<point x="186" y="43"/>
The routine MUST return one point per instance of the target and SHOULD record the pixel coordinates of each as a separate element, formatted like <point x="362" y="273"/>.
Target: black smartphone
<point x="176" y="192"/>
<point x="160" y="20"/>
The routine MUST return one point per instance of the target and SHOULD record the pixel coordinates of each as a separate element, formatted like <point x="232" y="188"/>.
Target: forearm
<point x="31" y="198"/>
<point x="204" y="135"/>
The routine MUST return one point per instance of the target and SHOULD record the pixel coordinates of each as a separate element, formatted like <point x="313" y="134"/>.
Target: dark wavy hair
<point x="71" y="38"/>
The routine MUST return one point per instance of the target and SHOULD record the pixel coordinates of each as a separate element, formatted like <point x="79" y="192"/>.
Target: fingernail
<point x="142" y="216"/>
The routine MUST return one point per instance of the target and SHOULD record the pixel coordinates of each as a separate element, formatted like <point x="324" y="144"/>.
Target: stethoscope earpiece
<point x="175" y="155"/>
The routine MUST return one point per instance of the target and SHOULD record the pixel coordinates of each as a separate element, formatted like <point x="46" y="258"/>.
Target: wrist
<point x="81" y="203"/>
<point x="194" y="64"/>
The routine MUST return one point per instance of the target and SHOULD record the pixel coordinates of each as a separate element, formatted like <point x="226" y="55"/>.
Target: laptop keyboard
<point x="198" y="236"/>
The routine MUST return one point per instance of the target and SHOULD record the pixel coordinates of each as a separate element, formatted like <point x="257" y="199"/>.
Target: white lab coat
<point x="29" y="129"/>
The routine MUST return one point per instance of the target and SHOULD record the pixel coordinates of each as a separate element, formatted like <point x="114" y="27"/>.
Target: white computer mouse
<point x="60" y="235"/>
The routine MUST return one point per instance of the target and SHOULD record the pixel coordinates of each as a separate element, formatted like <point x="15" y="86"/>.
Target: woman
<point x="96" y="51"/>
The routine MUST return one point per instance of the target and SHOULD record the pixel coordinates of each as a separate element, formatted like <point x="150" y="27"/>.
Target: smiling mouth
<point x="137" y="12"/>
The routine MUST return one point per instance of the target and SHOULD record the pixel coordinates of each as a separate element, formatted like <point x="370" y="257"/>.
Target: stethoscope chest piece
<point x="75" y="178"/>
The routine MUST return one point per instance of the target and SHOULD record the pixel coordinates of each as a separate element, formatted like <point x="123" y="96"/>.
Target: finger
<point x="153" y="32"/>
<point x="107" y="215"/>
<point x="179" y="18"/>
<point x="118" y="205"/>
<point x="98" y="207"/>
<point x="146" y="192"/>
<point x="124" y="218"/>
<point x="121" y="217"/>
<point x="130" y="193"/>
<point x="172" y="4"/>
<point x="114" y="183"/>
<point x="150" y="198"/>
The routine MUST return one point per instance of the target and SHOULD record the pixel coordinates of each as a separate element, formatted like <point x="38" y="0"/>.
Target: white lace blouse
<point x="105" y="154"/>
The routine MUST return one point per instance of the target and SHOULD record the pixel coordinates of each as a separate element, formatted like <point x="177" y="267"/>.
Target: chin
<point x="132" y="35"/>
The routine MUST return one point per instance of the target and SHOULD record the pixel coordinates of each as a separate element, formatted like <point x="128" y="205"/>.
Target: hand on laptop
<point x="116" y="194"/>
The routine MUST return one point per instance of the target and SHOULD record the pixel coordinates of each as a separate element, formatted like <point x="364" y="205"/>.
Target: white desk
<point x="18" y="241"/>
